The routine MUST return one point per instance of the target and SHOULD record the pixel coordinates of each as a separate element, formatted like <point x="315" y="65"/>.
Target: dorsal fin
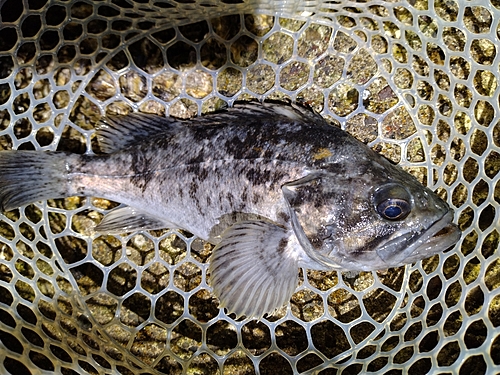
<point x="253" y="109"/>
<point x="117" y="132"/>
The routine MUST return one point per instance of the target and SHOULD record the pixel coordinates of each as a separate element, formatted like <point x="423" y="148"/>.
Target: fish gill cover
<point x="416" y="81"/>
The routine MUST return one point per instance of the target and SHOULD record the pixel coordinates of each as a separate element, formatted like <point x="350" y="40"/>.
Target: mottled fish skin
<point x="274" y="186"/>
<point x="237" y="165"/>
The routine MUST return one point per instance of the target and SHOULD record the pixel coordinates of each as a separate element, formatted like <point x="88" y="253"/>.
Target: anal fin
<point x="129" y="219"/>
<point x="254" y="269"/>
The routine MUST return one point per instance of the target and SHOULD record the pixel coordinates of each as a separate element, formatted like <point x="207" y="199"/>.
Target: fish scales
<point x="252" y="158"/>
<point x="252" y="172"/>
<point x="273" y="186"/>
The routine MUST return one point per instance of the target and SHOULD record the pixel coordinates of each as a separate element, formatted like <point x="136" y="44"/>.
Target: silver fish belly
<point x="273" y="186"/>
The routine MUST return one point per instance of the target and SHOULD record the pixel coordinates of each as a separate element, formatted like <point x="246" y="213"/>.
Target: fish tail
<point x="31" y="176"/>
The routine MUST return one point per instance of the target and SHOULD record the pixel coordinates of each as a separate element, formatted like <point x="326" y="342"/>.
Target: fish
<point x="273" y="186"/>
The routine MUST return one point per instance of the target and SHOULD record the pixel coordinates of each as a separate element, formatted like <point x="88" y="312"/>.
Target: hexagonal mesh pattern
<point x="417" y="81"/>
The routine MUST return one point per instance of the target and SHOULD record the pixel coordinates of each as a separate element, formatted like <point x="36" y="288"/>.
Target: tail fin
<point x="30" y="176"/>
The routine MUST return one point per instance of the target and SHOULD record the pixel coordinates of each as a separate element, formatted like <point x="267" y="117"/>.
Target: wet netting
<point x="416" y="80"/>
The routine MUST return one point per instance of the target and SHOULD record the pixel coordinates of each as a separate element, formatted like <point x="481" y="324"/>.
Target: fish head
<point x="371" y="218"/>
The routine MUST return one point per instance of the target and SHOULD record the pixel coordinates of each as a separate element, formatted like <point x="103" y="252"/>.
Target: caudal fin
<point x="31" y="176"/>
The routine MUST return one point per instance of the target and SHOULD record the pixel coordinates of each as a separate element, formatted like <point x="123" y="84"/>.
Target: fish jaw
<point x="440" y="236"/>
<point x="372" y="243"/>
<point x="395" y="252"/>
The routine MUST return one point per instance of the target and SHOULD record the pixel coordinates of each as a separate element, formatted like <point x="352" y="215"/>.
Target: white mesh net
<point x="416" y="80"/>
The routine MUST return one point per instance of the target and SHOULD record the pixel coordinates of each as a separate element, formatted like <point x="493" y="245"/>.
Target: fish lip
<point x="441" y="235"/>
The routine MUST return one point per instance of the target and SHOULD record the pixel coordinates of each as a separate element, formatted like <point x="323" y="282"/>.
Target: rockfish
<point x="273" y="186"/>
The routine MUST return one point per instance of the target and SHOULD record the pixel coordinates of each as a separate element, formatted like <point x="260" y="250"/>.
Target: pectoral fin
<point x="129" y="219"/>
<point x="254" y="270"/>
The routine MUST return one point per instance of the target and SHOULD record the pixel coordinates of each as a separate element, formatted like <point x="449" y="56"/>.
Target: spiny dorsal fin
<point x="254" y="270"/>
<point x="117" y="132"/>
<point x="265" y="110"/>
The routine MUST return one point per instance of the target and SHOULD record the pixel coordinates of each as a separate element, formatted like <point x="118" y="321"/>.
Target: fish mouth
<point x="415" y="246"/>
<point x="439" y="237"/>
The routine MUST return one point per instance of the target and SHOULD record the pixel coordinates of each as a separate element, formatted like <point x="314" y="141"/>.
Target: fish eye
<point x="392" y="202"/>
<point x="394" y="209"/>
